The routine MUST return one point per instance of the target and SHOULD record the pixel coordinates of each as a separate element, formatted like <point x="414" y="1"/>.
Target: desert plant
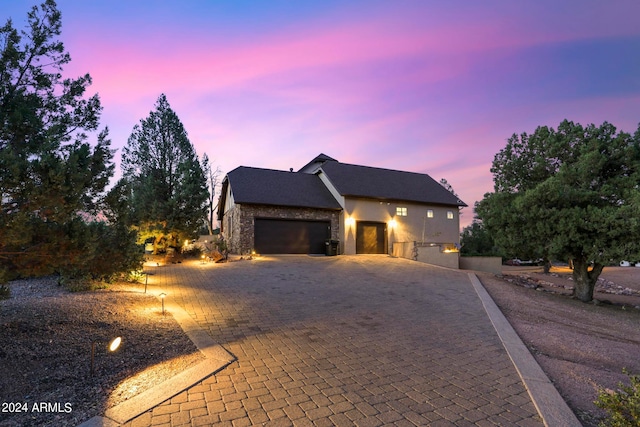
<point x="622" y="406"/>
<point x="221" y="245"/>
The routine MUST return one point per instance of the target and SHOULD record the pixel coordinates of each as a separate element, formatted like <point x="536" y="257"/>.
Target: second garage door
<point x="281" y="236"/>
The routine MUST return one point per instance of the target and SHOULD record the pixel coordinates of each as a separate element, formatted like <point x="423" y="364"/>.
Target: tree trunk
<point x="210" y="217"/>
<point x="585" y="279"/>
<point x="546" y="266"/>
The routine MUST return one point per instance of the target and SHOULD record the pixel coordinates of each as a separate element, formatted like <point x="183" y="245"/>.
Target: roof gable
<point x="387" y="184"/>
<point x="274" y="187"/>
<point x="313" y="165"/>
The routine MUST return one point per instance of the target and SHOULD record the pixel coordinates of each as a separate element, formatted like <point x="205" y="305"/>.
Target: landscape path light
<point x="146" y="278"/>
<point x="162" y="295"/>
<point x="113" y="346"/>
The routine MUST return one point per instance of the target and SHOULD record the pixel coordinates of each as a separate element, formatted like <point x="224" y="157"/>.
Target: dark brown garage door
<point x="281" y="236"/>
<point x="371" y="238"/>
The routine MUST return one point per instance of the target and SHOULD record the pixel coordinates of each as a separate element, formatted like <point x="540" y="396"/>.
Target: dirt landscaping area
<point x="581" y="347"/>
<point x="45" y="358"/>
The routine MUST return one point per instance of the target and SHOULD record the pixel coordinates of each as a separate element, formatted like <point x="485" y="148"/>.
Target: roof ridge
<point x="263" y="169"/>
<point x="385" y="169"/>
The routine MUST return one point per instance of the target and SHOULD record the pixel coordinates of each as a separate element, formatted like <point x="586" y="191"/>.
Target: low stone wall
<point x="427" y="254"/>
<point x="490" y="264"/>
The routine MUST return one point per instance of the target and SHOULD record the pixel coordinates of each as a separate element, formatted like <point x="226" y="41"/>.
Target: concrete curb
<point x="217" y="358"/>
<point x="550" y="405"/>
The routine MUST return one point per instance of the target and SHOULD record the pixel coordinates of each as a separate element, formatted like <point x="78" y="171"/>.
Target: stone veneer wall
<point x="239" y="225"/>
<point x="231" y="228"/>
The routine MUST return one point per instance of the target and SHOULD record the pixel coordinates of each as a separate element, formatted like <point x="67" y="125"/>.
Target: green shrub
<point x="81" y="284"/>
<point x="221" y="246"/>
<point x="5" y="292"/>
<point x="622" y="406"/>
<point x="136" y="276"/>
<point x="6" y="274"/>
<point x="100" y="253"/>
<point x="193" y="252"/>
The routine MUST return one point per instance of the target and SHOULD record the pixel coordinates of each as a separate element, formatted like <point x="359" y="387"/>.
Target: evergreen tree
<point x="571" y="193"/>
<point x="51" y="178"/>
<point x="476" y="240"/>
<point x="166" y="185"/>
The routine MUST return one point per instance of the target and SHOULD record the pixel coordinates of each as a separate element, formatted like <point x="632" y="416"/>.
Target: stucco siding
<point x="427" y="254"/>
<point x="414" y="227"/>
<point x="480" y="263"/>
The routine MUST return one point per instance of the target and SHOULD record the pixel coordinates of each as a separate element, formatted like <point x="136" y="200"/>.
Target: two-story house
<point x="365" y="209"/>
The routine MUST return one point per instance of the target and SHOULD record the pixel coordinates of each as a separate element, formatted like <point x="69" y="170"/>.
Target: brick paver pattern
<point x="342" y="341"/>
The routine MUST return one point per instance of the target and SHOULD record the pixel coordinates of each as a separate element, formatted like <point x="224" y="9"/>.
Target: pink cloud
<point x="279" y="98"/>
<point x="126" y="69"/>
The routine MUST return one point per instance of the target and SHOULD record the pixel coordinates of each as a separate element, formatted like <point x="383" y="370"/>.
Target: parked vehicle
<point x="528" y="262"/>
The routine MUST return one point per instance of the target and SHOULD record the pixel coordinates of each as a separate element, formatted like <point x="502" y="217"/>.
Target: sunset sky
<point x="425" y="86"/>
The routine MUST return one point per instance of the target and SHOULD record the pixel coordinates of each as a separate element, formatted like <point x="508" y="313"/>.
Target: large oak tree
<point x="571" y="193"/>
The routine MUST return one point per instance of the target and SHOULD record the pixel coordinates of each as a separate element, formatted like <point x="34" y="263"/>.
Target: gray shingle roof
<point x="320" y="158"/>
<point x="387" y="184"/>
<point x="274" y="187"/>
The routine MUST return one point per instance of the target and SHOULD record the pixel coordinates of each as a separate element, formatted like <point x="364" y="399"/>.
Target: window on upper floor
<point x="429" y="213"/>
<point x="401" y="211"/>
<point x="449" y="214"/>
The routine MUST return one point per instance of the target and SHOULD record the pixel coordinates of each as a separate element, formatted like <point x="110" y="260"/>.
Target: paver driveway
<point x="348" y="340"/>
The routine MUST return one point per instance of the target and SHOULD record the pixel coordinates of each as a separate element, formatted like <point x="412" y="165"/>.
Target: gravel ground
<point x="581" y="347"/>
<point x="45" y="357"/>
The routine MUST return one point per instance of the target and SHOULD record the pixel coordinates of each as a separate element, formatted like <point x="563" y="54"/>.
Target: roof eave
<point x="460" y="203"/>
<point x="222" y="199"/>
<point x="328" y="208"/>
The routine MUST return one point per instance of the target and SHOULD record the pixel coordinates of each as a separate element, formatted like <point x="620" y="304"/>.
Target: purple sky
<point x="425" y="86"/>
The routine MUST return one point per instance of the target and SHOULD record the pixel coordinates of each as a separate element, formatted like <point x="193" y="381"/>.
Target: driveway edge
<point x="217" y="358"/>
<point x="548" y="402"/>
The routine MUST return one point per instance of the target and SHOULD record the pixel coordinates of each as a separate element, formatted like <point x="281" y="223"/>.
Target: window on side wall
<point x="429" y="213"/>
<point x="449" y="214"/>
<point x="401" y="211"/>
